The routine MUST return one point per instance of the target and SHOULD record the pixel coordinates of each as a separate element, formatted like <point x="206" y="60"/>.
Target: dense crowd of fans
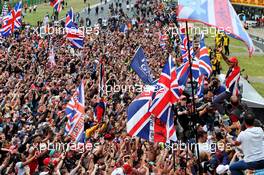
<point x="34" y="94"/>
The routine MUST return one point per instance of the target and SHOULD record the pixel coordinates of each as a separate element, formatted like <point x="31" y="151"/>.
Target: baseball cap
<point x="233" y="60"/>
<point x="127" y="168"/>
<point x="222" y="169"/>
<point x="46" y="161"/>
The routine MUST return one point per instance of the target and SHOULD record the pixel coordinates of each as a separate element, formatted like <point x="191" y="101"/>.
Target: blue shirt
<point x="219" y="90"/>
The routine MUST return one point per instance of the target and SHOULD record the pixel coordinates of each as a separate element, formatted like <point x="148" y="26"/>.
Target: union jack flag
<point x="56" y="4"/>
<point x="217" y="13"/>
<point x="200" y="87"/>
<point x="183" y="73"/>
<point x="142" y="124"/>
<point x="204" y="61"/>
<point x="76" y="39"/>
<point x="74" y="111"/>
<point x="185" y="56"/>
<point x="69" y="19"/>
<point x="168" y="91"/>
<point x="138" y="123"/>
<point x="12" y="20"/>
<point x="184" y="48"/>
<point x="74" y="35"/>
<point x="232" y="80"/>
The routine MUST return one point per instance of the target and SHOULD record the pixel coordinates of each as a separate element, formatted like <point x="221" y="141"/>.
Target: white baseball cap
<point x="222" y="169"/>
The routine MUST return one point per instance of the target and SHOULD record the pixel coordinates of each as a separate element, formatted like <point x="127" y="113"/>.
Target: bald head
<point x="234" y="100"/>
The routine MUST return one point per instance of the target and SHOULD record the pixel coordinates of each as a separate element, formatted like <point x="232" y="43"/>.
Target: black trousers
<point x="226" y="50"/>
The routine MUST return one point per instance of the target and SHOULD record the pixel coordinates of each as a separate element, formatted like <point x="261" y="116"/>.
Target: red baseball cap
<point x="127" y="168"/>
<point x="233" y="60"/>
<point x="46" y="161"/>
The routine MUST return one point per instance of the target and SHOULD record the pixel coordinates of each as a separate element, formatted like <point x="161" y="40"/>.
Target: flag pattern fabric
<point x="12" y="20"/>
<point x="184" y="48"/>
<point x="140" y="65"/>
<point x="99" y="110"/>
<point x="232" y="81"/>
<point x="183" y="73"/>
<point x="56" y="4"/>
<point x="200" y="87"/>
<point x="69" y="18"/>
<point x="185" y="56"/>
<point x="168" y="92"/>
<point x="74" y="111"/>
<point x="195" y="68"/>
<point x="201" y="63"/>
<point x="76" y="38"/>
<point x="216" y="13"/>
<point x="139" y="117"/>
<point x="74" y="35"/>
<point x="142" y="124"/>
<point x="205" y="65"/>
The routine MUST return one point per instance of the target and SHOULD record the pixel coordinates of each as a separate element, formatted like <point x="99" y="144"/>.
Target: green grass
<point x="259" y="87"/>
<point x="254" y="66"/>
<point x="43" y="9"/>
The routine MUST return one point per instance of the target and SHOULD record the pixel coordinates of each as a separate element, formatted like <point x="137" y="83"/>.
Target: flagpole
<point x="194" y="114"/>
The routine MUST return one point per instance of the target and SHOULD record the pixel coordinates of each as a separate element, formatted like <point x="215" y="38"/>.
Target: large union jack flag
<point x="56" y="4"/>
<point x="75" y="110"/>
<point x="204" y="61"/>
<point x="142" y="124"/>
<point x="183" y="73"/>
<point x="185" y="56"/>
<point x="168" y="91"/>
<point x="201" y="63"/>
<point x="216" y="13"/>
<point x="74" y="35"/>
<point x="12" y="20"/>
<point x="138" y="123"/>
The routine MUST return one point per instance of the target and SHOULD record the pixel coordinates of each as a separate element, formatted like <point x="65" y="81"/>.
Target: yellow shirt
<point x="90" y="131"/>
<point x="217" y="41"/>
<point x="218" y="57"/>
<point x="226" y="41"/>
<point x="213" y="62"/>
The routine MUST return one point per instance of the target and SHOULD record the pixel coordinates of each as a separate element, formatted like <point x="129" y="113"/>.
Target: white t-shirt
<point x="118" y="171"/>
<point x="20" y="168"/>
<point x="252" y="143"/>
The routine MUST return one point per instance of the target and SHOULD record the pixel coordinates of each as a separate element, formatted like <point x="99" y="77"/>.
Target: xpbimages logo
<point x="55" y="30"/>
<point x="208" y="147"/>
<point x="193" y="30"/>
<point x="137" y="88"/>
<point x="65" y="147"/>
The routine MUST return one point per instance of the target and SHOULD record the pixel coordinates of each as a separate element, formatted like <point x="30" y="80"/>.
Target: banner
<point x="255" y="3"/>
